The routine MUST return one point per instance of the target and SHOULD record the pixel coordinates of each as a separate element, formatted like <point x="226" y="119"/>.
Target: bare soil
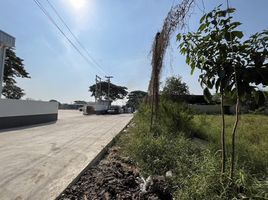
<point x="116" y="177"/>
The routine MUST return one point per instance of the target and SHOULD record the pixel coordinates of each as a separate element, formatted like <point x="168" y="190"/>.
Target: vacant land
<point x="252" y="137"/>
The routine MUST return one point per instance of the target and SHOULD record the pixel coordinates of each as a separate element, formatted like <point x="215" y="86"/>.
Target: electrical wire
<point x="75" y="37"/>
<point x="204" y="8"/>
<point x="61" y="31"/>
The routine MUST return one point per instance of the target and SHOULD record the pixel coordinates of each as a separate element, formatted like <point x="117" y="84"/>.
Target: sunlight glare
<point x="78" y="5"/>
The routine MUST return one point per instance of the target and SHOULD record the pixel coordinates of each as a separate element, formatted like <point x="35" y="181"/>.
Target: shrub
<point x="175" y="117"/>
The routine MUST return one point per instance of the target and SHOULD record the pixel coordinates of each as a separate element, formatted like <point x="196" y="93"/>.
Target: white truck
<point x="99" y="107"/>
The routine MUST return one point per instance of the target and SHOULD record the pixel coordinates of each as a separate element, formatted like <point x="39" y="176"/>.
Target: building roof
<point x="6" y="39"/>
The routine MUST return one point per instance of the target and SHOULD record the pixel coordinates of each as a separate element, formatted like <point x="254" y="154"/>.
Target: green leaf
<point x="192" y="70"/>
<point x="187" y="59"/>
<point x="238" y="34"/>
<point x="231" y="35"/>
<point x="221" y="13"/>
<point x="231" y="10"/>
<point x="179" y="37"/>
<point x="235" y="24"/>
<point x="183" y="50"/>
<point x="202" y="27"/>
<point x="202" y="18"/>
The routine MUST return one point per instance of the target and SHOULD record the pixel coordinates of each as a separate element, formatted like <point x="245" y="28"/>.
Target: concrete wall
<point x="15" y="113"/>
<point x="216" y="109"/>
<point x="208" y="109"/>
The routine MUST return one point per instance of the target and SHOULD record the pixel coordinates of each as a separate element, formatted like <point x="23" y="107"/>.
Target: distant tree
<point x="53" y="100"/>
<point x="174" y="86"/>
<point x="80" y="102"/>
<point x="228" y="98"/>
<point x="14" y="67"/>
<point x="135" y="98"/>
<point x="116" y="92"/>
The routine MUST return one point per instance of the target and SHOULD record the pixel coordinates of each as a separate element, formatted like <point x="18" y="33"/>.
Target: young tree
<point x="226" y="63"/>
<point x="116" y="91"/>
<point x="14" y="67"/>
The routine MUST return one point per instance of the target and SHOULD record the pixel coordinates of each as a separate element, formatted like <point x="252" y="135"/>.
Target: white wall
<point x="13" y="107"/>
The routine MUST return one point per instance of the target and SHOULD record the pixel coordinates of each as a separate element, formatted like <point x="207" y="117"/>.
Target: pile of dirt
<point x="116" y="177"/>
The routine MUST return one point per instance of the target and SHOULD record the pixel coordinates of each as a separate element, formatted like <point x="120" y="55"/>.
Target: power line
<point x="204" y="8"/>
<point x="77" y="40"/>
<point x="61" y="31"/>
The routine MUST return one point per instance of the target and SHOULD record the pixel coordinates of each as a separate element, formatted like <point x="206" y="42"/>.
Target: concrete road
<point x="39" y="162"/>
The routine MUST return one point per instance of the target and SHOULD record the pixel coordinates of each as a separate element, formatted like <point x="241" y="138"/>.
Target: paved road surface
<point x="39" y="162"/>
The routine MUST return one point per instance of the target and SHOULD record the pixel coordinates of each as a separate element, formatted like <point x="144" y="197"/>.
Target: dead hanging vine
<point x="175" y="19"/>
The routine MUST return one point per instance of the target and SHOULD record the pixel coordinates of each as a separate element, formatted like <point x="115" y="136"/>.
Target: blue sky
<point x="117" y="33"/>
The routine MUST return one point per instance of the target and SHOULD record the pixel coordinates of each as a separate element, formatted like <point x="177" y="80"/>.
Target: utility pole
<point x="109" y="84"/>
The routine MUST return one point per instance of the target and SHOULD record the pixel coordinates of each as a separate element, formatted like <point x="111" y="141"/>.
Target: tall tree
<point x="174" y="86"/>
<point x="14" y="68"/>
<point x="135" y="98"/>
<point x="116" y="91"/>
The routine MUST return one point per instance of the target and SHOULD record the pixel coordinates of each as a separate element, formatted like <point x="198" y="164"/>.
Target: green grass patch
<point x="252" y="139"/>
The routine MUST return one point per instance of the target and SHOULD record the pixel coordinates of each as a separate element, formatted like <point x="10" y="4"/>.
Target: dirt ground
<point x="116" y="177"/>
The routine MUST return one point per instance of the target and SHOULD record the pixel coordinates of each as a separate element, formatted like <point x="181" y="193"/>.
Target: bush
<point x="157" y="155"/>
<point x="176" y="118"/>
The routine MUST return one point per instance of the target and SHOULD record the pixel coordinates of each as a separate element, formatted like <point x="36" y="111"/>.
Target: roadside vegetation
<point x="195" y="169"/>
<point x="233" y="165"/>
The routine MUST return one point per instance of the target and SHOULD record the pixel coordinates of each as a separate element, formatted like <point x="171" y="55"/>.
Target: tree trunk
<point x="223" y="154"/>
<point x="152" y="111"/>
<point x="233" y="137"/>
